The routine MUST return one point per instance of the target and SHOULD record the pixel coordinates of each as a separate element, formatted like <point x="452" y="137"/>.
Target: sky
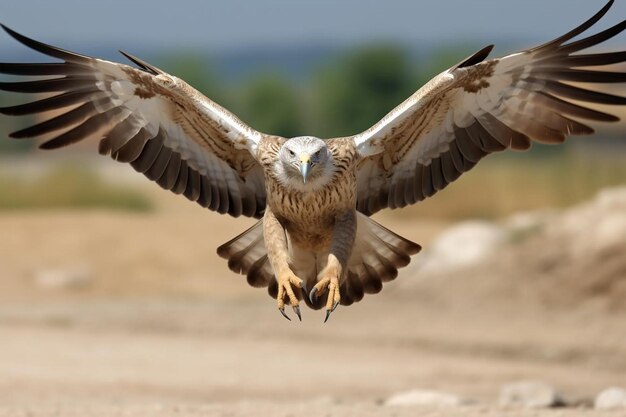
<point x="233" y="24"/>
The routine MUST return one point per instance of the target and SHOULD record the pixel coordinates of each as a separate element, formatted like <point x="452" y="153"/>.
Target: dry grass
<point x="504" y="184"/>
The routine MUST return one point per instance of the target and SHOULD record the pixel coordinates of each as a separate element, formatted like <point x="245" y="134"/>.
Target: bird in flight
<point x="315" y="241"/>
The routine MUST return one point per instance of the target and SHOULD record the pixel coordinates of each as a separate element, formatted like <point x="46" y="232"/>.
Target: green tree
<point x="197" y="72"/>
<point x="270" y="104"/>
<point x="359" y="90"/>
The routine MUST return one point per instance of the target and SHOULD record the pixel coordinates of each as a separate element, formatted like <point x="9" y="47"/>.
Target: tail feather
<point x="377" y="255"/>
<point x="247" y="255"/>
<point x="354" y="291"/>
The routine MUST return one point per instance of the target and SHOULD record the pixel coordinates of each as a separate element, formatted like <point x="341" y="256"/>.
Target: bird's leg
<point x="330" y="277"/>
<point x="328" y="280"/>
<point x="278" y="255"/>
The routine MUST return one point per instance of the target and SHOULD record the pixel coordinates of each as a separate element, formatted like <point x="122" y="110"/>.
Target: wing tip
<point x="44" y="48"/>
<point x="141" y="63"/>
<point x="477" y="57"/>
<point x="18" y="36"/>
<point x="577" y="30"/>
<point x="8" y="30"/>
<point x="44" y="146"/>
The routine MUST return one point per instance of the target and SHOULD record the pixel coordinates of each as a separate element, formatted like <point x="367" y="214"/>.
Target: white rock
<point x="525" y="221"/>
<point x="593" y="226"/>
<point x="611" y="399"/>
<point x="611" y="230"/>
<point x="529" y="394"/>
<point x="611" y="198"/>
<point x="462" y="245"/>
<point x="425" y="398"/>
<point x="63" y="278"/>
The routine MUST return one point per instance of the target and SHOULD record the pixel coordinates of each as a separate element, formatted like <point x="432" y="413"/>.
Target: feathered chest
<point x="315" y="208"/>
<point x="307" y="210"/>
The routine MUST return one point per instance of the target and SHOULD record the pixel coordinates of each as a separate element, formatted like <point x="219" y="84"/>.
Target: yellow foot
<point x="330" y="283"/>
<point x="285" y="282"/>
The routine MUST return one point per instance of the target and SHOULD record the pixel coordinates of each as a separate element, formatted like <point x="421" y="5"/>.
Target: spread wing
<point x="476" y="108"/>
<point x="159" y="124"/>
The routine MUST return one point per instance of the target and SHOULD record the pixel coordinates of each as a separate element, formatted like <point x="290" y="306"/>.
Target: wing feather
<point x="479" y="107"/>
<point x="156" y="122"/>
<point x="156" y="171"/>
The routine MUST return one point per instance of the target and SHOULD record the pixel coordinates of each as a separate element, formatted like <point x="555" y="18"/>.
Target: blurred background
<point x="112" y="296"/>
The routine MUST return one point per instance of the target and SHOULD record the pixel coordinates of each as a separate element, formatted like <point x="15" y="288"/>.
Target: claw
<point x="296" y="309"/>
<point x="327" y="315"/>
<point x="305" y="291"/>
<point x="313" y="295"/>
<point x="331" y="311"/>
<point x="282" y="311"/>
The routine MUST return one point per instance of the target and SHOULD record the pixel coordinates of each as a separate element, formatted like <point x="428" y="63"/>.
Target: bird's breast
<point x="309" y="217"/>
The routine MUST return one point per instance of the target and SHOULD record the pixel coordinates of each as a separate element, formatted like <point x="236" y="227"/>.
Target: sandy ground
<point x="232" y="357"/>
<point x="160" y="327"/>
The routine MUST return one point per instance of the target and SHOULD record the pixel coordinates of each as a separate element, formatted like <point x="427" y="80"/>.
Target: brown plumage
<point x="314" y="197"/>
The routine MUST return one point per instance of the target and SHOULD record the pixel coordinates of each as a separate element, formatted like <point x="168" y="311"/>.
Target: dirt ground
<point x="157" y="326"/>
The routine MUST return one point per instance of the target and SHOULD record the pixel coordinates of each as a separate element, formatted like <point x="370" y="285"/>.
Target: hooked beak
<point x="305" y="166"/>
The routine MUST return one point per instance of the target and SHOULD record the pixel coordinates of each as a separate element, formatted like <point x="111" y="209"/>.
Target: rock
<point x="462" y="245"/>
<point x="426" y="398"/>
<point x="63" y="278"/>
<point x="529" y="394"/>
<point x="611" y="399"/>
<point x="613" y="198"/>
<point x="593" y="226"/>
<point x="522" y="225"/>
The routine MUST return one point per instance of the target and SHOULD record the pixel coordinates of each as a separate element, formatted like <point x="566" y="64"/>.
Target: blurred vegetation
<point x="342" y="97"/>
<point x="511" y="182"/>
<point x="359" y="90"/>
<point x="270" y="104"/>
<point x="68" y="187"/>
<point x="197" y="72"/>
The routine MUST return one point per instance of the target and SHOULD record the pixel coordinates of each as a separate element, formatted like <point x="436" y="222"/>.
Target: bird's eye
<point x="318" y="154"/>
<point x="291" y="153"/>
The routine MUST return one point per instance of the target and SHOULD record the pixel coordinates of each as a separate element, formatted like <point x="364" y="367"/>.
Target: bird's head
<point x="305" y="162"/>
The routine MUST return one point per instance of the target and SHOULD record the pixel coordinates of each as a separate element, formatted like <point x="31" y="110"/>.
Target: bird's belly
<point x="309" y="217"/>
<point x="311" y="230"/>
<point x="309" y="220"/>
<point x="311" y="239"/>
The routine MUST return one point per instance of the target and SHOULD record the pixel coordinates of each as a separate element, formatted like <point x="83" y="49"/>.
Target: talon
<point x="286" y="284"/>
<point x="282" y="311"/>
<point x="327" y="315"/>
<point x="334" y="306"/>
<point x="305" y="291"/>
<point x="313" y="295"/>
